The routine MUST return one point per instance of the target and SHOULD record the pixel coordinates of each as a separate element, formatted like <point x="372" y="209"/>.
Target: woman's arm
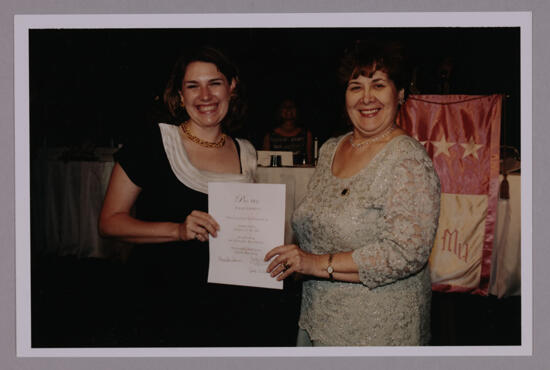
<point x="297" y="260"/>
<point x="115" y="219"/>
<point x="407" y="225"/>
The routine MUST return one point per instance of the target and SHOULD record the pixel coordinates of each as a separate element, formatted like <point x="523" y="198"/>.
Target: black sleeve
<point x="137" y="155"/>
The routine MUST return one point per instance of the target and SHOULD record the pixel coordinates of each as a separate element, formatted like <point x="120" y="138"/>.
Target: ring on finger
<point x="286" y="266"/>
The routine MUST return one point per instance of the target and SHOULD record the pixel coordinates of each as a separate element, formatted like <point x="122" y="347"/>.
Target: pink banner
<point x="461" y="133"/>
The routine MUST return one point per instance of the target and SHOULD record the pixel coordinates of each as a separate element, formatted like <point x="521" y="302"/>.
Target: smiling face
<point x="372" y="102"/>
<point x="205" y="93"/>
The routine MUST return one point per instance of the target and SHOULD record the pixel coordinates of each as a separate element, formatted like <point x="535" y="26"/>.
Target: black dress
<point x="170" y="302"/>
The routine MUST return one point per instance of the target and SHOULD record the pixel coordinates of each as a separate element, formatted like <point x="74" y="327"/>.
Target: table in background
<point x="296" y="180"/>
<point x="66" y="199"/>
<point x="506" y="258"/>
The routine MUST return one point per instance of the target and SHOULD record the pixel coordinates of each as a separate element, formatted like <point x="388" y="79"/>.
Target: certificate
<point x="252" y="222"/>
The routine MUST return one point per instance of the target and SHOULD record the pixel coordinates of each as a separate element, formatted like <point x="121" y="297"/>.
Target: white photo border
<point x="24" y="23"/>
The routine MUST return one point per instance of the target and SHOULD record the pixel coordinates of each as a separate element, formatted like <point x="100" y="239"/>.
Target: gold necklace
<point x="207" y="144"/>
<point x="372" y="140"/>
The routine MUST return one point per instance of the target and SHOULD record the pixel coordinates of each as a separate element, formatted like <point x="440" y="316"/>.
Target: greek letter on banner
<point x="461" y="133"/>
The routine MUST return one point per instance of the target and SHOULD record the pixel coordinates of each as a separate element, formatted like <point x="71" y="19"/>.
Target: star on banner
<point x="471" y="148"/>
<point x="442" y="146"/>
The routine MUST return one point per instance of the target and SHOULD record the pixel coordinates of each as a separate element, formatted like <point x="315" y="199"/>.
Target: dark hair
<point x="367" y="57"/>
<point x="237" y="108"/>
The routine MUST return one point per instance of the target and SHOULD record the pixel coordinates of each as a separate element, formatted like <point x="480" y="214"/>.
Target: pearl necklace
<point x="372" y="140"/>
<point x="207" y="144"/>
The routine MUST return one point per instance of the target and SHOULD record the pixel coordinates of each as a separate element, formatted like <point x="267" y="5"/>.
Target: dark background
<point x="95" y="86"/>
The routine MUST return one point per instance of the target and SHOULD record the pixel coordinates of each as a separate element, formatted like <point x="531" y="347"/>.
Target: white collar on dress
<point x="197" y="179"/>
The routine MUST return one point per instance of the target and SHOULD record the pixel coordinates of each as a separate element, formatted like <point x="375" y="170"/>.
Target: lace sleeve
<point x="407" y="224"/>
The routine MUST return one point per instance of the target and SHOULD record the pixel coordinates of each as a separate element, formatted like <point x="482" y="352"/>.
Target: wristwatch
<point x="330" y="269"/>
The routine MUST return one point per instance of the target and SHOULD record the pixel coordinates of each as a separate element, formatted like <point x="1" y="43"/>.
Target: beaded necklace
<point x="373" y="139"/>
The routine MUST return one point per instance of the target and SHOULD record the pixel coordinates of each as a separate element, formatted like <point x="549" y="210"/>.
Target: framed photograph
<point x="84" y="84"/>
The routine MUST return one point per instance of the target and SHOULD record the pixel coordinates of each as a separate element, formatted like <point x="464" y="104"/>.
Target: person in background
<point x="163" y="173"/>
<point x="367" y="223"/>
<point x="288" y="135"/>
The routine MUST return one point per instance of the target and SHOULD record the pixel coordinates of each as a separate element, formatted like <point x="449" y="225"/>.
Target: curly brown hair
<point x="232" y="122"/>
<point x="367" y="57"/>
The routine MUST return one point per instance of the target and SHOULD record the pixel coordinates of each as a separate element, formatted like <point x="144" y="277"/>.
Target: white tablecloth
<point x="296" y="180"/>
<point x="66" y="199"/>
<point x="506" y="258"/>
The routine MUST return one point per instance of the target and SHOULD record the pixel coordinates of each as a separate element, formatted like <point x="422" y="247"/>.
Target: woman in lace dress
<point x="367" y="224"/>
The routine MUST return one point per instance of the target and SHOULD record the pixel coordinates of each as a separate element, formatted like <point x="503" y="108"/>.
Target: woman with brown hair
<point x="164" y="174"/>
<point x="367" y="223"/>
<point x="288" y="135"/>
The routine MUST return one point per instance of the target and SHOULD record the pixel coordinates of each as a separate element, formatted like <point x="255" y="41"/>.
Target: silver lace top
<point x="388" y="217"/>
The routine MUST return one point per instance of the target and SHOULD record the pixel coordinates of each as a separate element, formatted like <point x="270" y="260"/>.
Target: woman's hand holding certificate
<point x="251" y="219"/>
<point x="198" y="225"/>
<point x="289" y="259"/>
